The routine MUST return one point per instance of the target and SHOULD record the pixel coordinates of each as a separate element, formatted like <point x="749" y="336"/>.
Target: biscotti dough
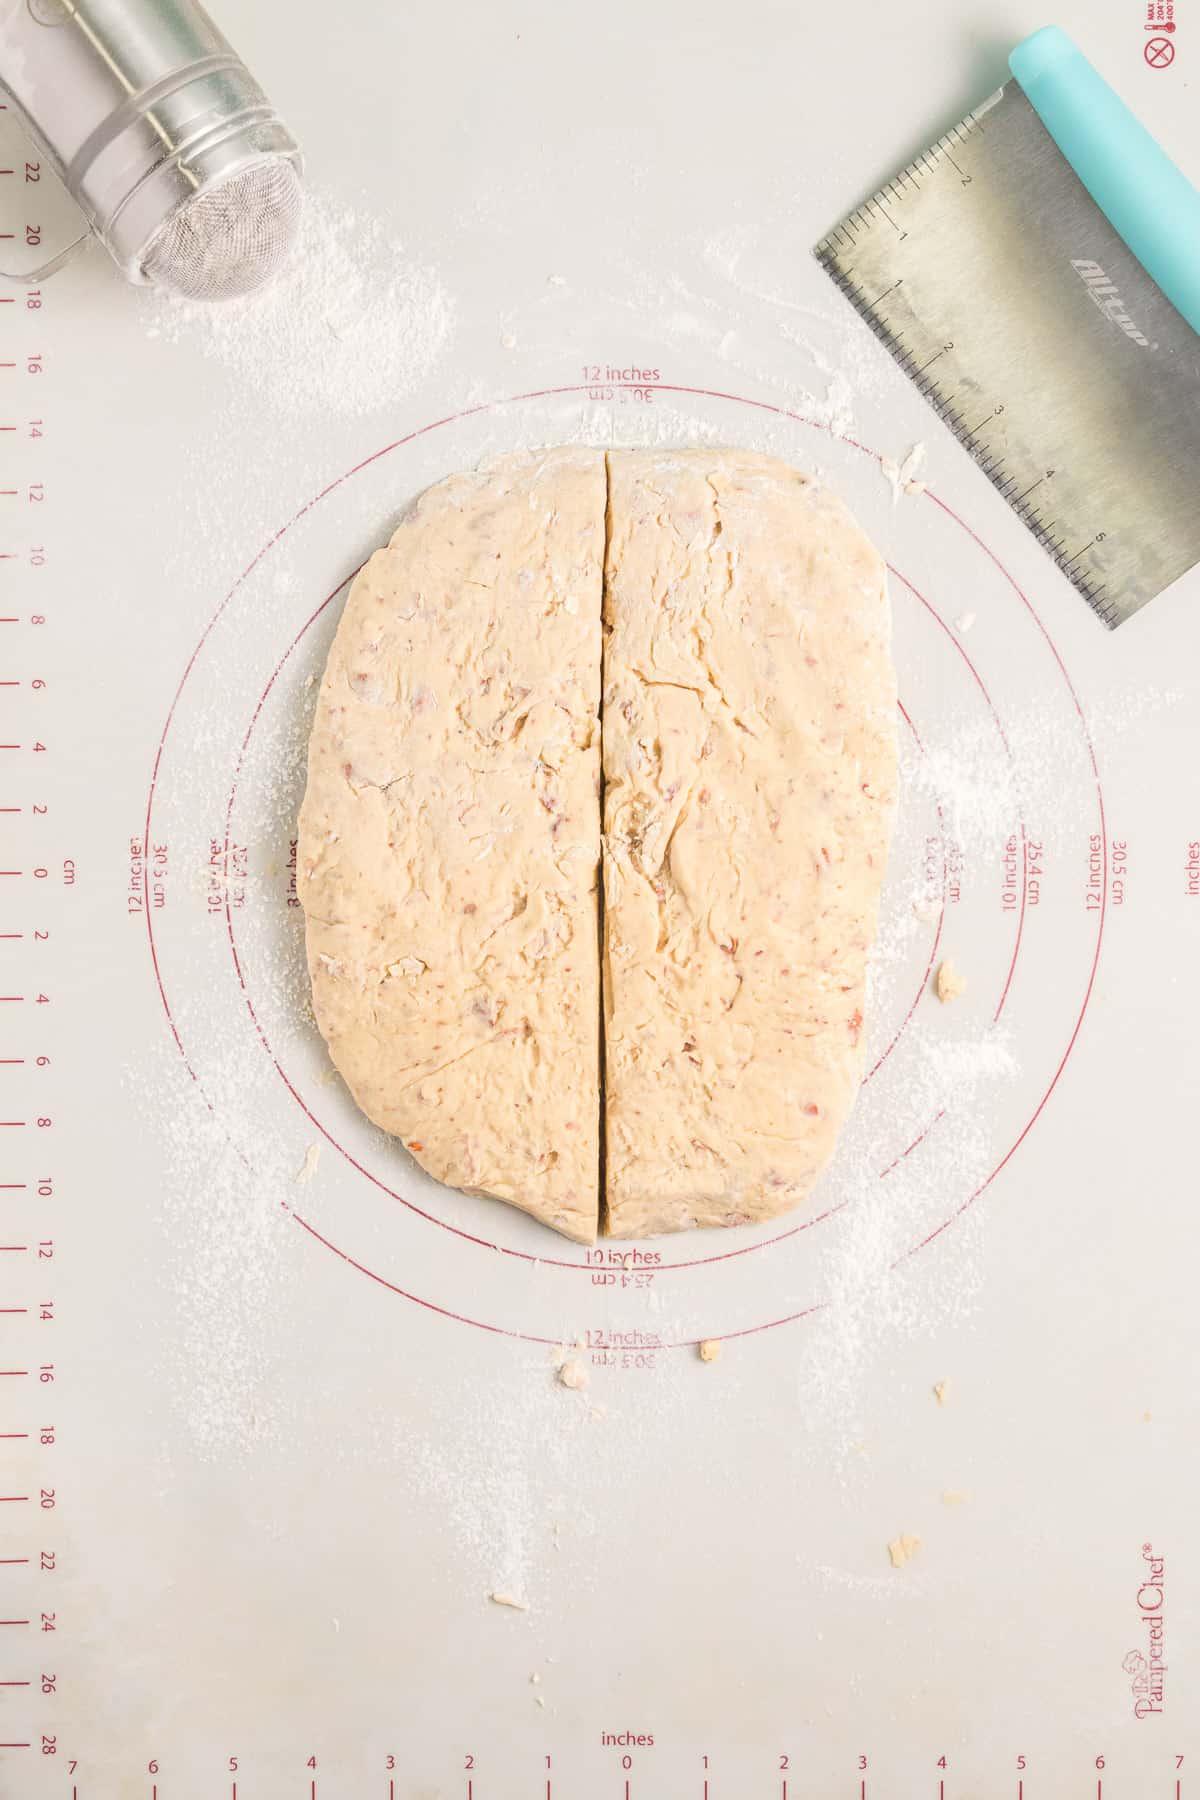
<point x="948" y="984"/>
<point x="750" y="768"/>
<point x="450" y="839"/>
<point x="450" y="835"/>
<point x="901" y="1550"/>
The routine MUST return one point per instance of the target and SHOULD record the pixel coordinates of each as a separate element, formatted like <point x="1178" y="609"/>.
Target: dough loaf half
<point x="450" y="835"/>
<point x="750" y="769"/>
<point x="450" y="839"/>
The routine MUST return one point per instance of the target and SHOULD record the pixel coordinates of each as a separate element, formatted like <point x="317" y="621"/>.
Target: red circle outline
<point x="775" y="411"/>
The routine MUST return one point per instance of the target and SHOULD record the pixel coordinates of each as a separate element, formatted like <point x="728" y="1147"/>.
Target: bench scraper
<point x="1037" y="273"/>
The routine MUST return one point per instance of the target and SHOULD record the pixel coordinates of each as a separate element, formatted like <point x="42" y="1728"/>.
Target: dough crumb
<point x="940" y="1390"/>
<point x="1146" y="1418"/>
<point x="500" y="1597"/>
<point x="948" y="984"/>
<point x="955" y="1497"/>
<point x="535" y="1678"/>
<point x="904" y="477"/>
<point x="329" y="1077"/>
<point x="710" y="1349"/>
<point x="538" y="1701"/>
<point x="901" y="1550"/>
<point x="308" y="1167"/>
<point x="910" y="470"/>
<point x="556" y="281"/>
<point x="964" y="622"/>
<point x="572" y="1374"/>
<point x="508" y="341"/>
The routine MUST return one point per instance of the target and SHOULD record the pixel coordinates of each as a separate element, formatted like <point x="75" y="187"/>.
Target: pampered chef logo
<point x="1146" y="1666"/>
<point x="1105" y="296"/>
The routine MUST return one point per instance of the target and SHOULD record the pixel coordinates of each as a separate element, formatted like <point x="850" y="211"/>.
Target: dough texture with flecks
<point x="450" y="835"/>
<point x="749" y="712"/>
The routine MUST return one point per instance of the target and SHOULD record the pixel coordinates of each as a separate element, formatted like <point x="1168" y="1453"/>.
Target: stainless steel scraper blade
<point x="1000" y="287"/>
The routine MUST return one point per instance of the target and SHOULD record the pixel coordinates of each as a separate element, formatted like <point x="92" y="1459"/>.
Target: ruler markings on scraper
<point x="1002" y="291"/>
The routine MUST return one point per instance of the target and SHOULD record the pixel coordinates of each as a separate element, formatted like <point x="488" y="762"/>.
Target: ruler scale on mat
<point x="1001" y="288"/>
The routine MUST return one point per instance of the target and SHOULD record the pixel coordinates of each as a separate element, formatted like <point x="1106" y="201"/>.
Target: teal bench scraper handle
<point x="1146" y="199"/>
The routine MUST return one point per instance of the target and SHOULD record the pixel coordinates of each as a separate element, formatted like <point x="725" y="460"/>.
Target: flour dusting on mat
<point x="903" y="477"/>
<point x="348" y="326"/>
<point x="223" y="1236"/>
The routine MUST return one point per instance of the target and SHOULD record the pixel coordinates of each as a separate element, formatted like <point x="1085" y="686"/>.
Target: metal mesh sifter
<point x="168" y="145"/>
